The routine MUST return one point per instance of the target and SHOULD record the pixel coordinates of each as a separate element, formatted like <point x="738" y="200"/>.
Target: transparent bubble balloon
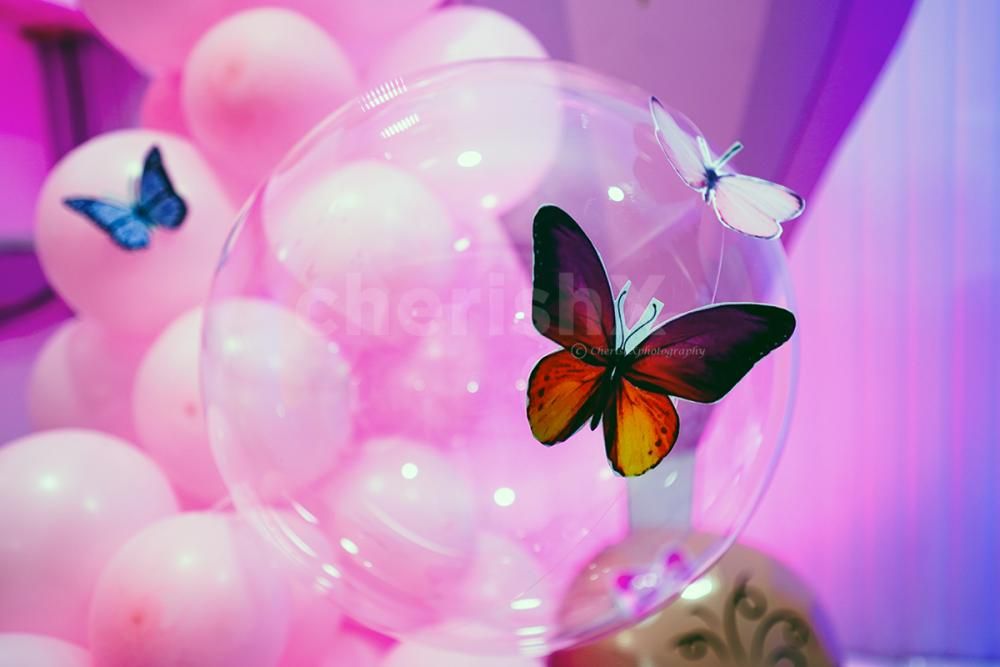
<point x="374" y="424"/>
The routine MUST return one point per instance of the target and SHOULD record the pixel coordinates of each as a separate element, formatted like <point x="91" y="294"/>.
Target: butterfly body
<point x="626" y="377"/>
<point x="130" y="226"/>
<point x="749" y="205"/>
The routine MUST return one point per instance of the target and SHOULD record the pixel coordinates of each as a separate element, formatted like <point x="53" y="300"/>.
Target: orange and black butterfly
<point x="626" y="377"/>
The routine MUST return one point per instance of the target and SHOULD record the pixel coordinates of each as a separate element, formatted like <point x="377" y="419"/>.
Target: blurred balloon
<point x="476" y="172"/>
<point x="82" y="378"/>
<point x="401" y="523"/>
<point x="370" y="18"/>
<point x="161" y="105"/>
<point x="411" y="654"/>
<point x="298" y="431"/>
<point x="155" y="35"/>
<point x="195" y="589"/>
<point x="455" y="34"/>
<point x="131" y="292"/>
<point x="68" y="500"/>
<point x="248" y="106"/>
<point x="168" y="412"/>
<point x="747" y="610"/>
<point x="22" y="650"/>
<point x="405" y="229"/>
<point x="507" y="588"/>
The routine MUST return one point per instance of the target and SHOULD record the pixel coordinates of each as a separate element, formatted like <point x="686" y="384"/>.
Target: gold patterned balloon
<point x="747" y="611"/>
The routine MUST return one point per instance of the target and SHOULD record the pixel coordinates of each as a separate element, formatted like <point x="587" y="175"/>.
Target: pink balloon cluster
<point x="116" y="554"/>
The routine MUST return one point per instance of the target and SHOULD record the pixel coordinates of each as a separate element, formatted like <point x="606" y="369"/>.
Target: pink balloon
<point x="477" y="172"/>
<point x="168" y="411"/>
<point x="21" y="650"/>
<point x="195" y="589"/>
<point x="248" y="106"/>
<point x="68" y="500"/>
<point x="401" y="524"/>
<point x="161" y="106"/>
<point x="83" y="378"/>
<point x="410" y="654"/>
<point x="286" y="403"/>
<point x="284" y="393"/>
<point x="370" y="18"/>
<point x="155" y="35"/>
<point x="131" y="292"/>
<point x="386" y="277"/>
<point x="452" y="35"/>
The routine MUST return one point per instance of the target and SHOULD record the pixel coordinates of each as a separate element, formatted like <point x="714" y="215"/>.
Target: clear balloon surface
<point x="401" y="230"/>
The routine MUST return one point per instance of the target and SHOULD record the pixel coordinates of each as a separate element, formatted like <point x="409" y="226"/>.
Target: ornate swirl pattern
<point x="778" y="638"/>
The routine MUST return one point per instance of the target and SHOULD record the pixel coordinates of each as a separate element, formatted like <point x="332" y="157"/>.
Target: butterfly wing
<point x="158" y="201"/>
<point x="119" y="222"/>
<point x="702" y="354"/>
<point x="571" y="302"/>
<point x="640" y="428"/>
<point x="563" y="393"/>
<point x="680" y="146"/>
<point x="754" y="206"/>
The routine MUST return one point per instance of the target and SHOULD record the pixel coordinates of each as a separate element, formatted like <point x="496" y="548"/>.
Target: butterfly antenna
<point x="620" y="309"/>
<point x="729" y="154"/>
<point x="639" y="327"/>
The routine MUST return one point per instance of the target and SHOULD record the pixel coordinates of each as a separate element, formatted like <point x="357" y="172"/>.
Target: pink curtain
<point x="888" y="498"/>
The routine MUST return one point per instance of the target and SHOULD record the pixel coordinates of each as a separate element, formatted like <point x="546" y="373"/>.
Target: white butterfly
<point x="752" y="206"/>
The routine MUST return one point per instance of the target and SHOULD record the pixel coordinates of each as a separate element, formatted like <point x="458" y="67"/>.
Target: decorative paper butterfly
<point x="131" y="226"/>
<point x="750" y="205"/>
<point x="627" y="376"/>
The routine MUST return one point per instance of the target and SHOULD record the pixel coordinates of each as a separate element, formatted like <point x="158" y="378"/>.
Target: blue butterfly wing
<point x="119" y="222"/>
<point x="158" y="202"/>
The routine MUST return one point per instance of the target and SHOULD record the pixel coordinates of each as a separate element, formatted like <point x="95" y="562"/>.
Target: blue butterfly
<point x="131" y="226"/>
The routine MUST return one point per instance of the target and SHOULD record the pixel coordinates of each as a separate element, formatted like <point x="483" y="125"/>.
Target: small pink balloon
<point x="476" y="170"/>
<point x="161" y="106"/>
<point x="195" y="589"/>
<point x="387" y="277"/>
<point x="411" y="654"/>
<point x="155" y="35"/>
<point x="23" y="650"/>
<point x="68" y="500"/>
<point x="248" y="106"/>
<point x="83" y="378"/>
<point x="168" y="412"/>
<point x="401" y="524"/>
<point x="135" y="292"/>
